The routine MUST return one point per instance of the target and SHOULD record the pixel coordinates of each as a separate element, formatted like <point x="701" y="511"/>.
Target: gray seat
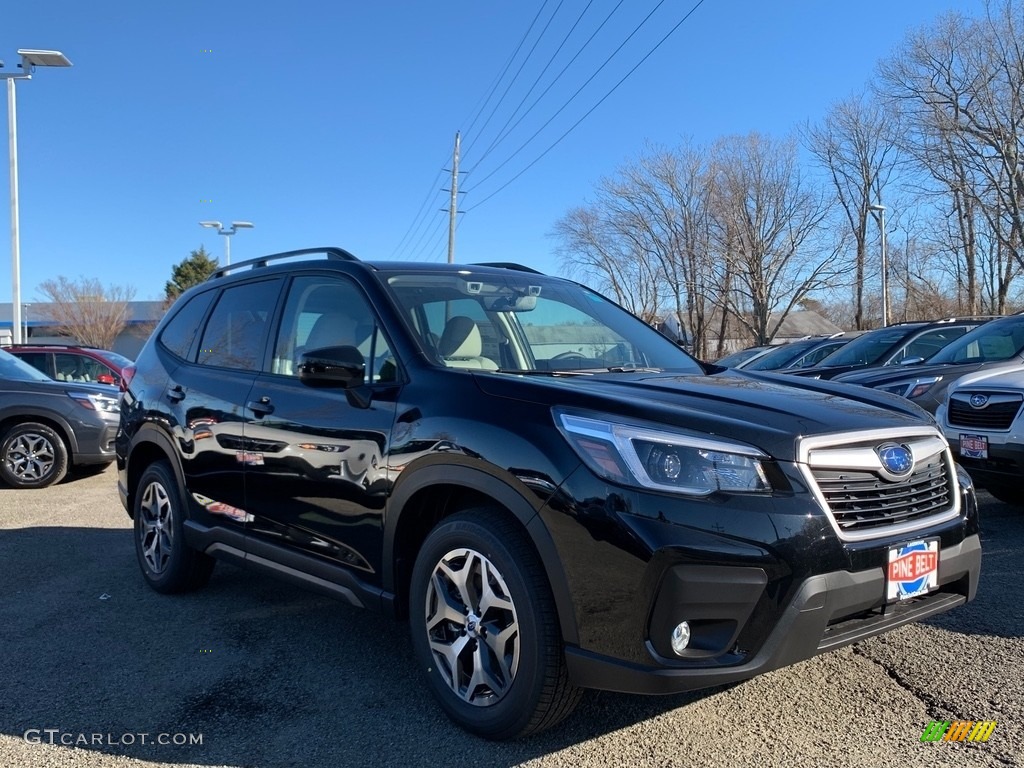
<point x="461" y="345"/>
<point x="331" y="329"/>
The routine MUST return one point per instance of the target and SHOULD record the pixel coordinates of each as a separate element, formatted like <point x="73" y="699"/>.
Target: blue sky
<point x="330" y="123"/>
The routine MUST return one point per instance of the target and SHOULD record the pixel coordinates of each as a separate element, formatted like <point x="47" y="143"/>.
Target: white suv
<point x="983" y="419"/>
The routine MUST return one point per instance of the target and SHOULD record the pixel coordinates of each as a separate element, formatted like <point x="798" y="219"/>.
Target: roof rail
<point x="507" y="265"/>
<point x="332" y="254"/>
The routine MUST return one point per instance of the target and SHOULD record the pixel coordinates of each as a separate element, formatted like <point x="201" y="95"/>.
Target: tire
<point x="498" y="690"/>
<point x="168" y="564"/>
<point x="32" y="455"/>
<point x="1008" y="495"/>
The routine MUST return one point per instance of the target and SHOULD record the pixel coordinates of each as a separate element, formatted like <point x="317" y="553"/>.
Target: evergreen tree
<point x="191" y="271"/>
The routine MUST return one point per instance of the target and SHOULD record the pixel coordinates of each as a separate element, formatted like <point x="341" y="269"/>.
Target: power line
<point x="589" y="111"/>
<point x="416" y="223"/>
<point x="503" y="134"/>
<point x="518" y="71"/>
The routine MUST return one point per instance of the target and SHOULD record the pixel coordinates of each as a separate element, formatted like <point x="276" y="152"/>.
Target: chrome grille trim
<point x="845" y="476"/>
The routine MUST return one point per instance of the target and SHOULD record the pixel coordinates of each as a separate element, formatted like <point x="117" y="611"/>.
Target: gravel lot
<point x="264" y="674"/>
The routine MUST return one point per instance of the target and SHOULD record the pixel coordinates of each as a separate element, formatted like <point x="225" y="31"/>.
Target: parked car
<point x="983" y="419"/>
<point x="799" y="353"/>
<point x="74" y="363"/>
<point x="893" y="345"/>
<point x="551" y="492"/>
<point x="743" y="355"/>
<point x="47" y="426"/>
<point x="996" y="344"/>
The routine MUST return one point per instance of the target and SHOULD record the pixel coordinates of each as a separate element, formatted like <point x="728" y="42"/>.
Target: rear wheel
<point x="168" y="563"/>
<point x="485" y="628"/>
<point x="32" y="455"/>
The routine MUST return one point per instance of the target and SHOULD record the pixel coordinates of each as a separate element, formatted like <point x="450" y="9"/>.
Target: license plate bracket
<point x="912" y="570"/>
<point x="974" y="446"/>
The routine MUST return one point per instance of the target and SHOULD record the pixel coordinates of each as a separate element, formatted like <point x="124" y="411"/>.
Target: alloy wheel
<point x="30" y="457"/>
<point x="472" y="627"/>
<point x="157" y="532"/>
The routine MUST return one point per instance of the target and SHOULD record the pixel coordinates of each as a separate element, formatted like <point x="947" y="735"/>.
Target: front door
<point x="316" y="479"/>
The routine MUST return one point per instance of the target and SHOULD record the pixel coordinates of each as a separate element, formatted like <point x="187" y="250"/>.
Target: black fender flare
<point x="504" y="494"/>
<point x="153" y="435"/>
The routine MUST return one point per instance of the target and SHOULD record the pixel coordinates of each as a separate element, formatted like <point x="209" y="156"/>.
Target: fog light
<point x="680" y="638"/>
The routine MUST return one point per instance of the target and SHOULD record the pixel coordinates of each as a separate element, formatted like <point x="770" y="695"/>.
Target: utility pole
<point x="453" y="207"/>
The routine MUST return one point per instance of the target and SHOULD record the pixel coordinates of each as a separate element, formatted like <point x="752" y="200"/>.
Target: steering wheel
<point x="569" y="354"/>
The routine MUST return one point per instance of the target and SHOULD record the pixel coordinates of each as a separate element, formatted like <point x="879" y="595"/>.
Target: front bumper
<point x="828" y="611"/>
<point x="96" y="445"/>
<point x="1004" y="466"/>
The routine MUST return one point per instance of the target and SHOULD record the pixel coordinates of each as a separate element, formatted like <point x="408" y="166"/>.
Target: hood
<point x="766" y="410"/>
<point x="883" y="374"/>
<point x="986" y="378"/>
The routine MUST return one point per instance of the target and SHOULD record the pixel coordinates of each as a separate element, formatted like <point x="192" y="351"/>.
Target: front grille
<point x="862" y="500"/>
<point x="865" y="500"/>
<point x="994" y="415"/>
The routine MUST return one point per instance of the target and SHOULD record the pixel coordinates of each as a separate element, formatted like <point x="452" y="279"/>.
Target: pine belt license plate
<point x="913" y="570"/>
<point x="974" y="446"/>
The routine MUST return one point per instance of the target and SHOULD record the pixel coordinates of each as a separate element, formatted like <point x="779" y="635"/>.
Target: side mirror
<point x="105" y="378"/>
<point x="340" y="367"/>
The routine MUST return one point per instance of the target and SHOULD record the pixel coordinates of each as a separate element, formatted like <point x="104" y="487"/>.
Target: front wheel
<point x="485" y="629"/>
<point x="168" y="563"/>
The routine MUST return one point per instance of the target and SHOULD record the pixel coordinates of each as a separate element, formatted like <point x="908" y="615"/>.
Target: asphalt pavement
<point x="98" y="670"/>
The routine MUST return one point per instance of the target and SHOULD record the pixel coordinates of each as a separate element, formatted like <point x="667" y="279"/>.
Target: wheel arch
<point x="150" y="445"/>
<point x="438" y="491"/>
<point x="52" y="420"/>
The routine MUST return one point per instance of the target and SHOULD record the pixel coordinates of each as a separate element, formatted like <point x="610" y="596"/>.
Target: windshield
<point x="14" y="369"/>
<point x="868" y="349"/>
<point x="989" y="343"/>
<point x="119" y="361"/>
<point x="521" y="322"/>
<point x="779" y="357"/>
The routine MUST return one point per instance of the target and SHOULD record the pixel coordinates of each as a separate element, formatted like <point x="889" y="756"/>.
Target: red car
<point x="73" y="363"/>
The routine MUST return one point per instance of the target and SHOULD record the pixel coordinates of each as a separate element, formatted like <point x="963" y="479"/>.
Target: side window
<point x="330" y="312"/>
<point x="80" y="368"/>
<point x="179" y="333"/>
<point x="36" y="359"/>
<point x="927" y="344"/>
<point x="237" y="328"/>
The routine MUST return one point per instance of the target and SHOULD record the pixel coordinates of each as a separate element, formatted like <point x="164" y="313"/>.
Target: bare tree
<point x="856" y="144"/>
<point x="771" y="234"/>
<point x="86" y="311"/>
<point x="960" y="88"/>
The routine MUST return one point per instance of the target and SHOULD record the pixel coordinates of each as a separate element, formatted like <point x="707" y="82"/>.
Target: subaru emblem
<point x="897" y="460"/>
<point x="978" y="401"/>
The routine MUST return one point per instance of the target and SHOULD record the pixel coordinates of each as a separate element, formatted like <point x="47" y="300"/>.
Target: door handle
<point x="176" y="393"/>
<point x="260" y="407"/>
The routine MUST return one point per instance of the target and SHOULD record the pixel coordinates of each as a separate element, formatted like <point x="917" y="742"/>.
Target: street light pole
<point x="235" y="226"/>
<point x="880" y="218"/>
<point x="30" y="59"/>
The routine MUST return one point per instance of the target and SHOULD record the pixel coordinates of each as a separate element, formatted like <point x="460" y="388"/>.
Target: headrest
<point x="332" y="329"/>
<point x="461" y="338"/>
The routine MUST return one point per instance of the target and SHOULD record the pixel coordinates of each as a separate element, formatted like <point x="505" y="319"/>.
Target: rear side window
<point x="179" y="333"/>
<point x="237" y="328"/>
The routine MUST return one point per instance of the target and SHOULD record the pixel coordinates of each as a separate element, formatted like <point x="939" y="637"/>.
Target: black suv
<point x="47" y="426"/>
<point x="996" y="344"/>
<point x="552" y="493"/>
<point x="899" y="344"/>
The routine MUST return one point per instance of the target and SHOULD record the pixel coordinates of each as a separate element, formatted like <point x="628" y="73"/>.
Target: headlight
<point x="662" y="460"/>
<point x="911" y="388"/>
<point x="95" y="402"/>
